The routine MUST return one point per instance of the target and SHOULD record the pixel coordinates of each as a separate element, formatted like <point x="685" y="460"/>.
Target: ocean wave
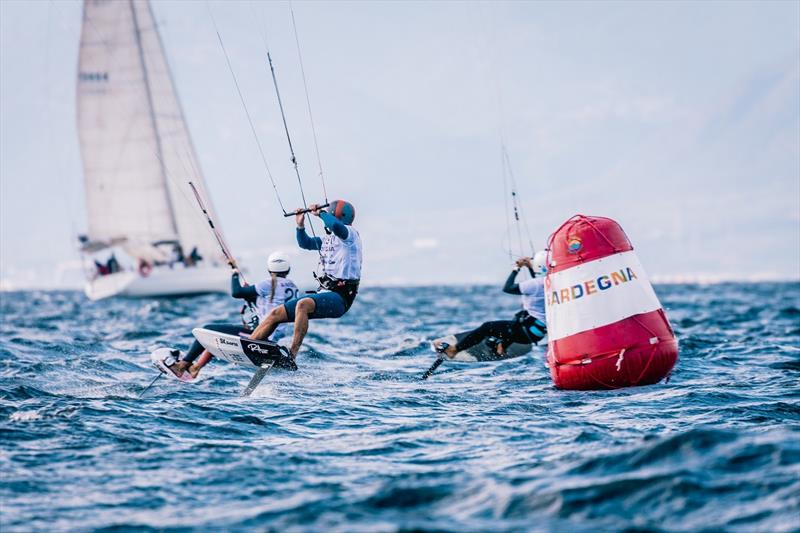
<point x="354" y="441"/>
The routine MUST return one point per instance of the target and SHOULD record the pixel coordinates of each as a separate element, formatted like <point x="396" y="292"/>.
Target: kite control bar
<point x="303" y="211"/>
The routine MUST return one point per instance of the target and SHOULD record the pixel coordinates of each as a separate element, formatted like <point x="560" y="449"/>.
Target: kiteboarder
<point x="266" y="295"/>
<point x="340" y="260"/>
<point x="528" y="325"/>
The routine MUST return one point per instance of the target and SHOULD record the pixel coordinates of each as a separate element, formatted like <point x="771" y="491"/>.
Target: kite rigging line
<point x="246" y="111"/>
<point x="308" y="103"/>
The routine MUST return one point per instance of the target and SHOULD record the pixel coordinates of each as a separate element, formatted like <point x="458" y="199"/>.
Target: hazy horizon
<point x="679" y="120"/>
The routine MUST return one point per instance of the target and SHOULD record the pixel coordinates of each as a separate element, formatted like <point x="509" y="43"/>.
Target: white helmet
<point x="540" y="262"/>
<point x="278" y="262"/>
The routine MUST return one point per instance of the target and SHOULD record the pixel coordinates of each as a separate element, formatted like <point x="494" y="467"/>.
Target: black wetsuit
<point x="524" y="329"/>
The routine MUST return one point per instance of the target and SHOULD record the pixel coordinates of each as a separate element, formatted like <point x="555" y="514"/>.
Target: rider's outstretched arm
<point x="511" y="287"/>
<point x="333" y="224"/>
<point x="245" y="293"/>
<point x="308" y="243"/>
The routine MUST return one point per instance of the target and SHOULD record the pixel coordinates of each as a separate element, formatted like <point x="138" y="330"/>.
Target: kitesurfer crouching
<point x="528" y="325"/>
<point x="266" y="295"/>
<point x="340" y="259"/>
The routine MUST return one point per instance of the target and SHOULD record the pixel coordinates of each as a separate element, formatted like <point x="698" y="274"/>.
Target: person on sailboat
<point x="113" y="264"/>
<point x="267" y="295"/>
<point x="100" y="268"/>
<point x="176" y="256"/>
<point x="528" y="325"/>
<point x="340" y="259"/>
<point x="194" y="258"/>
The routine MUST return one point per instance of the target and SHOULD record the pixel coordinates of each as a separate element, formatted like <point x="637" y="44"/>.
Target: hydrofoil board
<point x="243" y="351"/>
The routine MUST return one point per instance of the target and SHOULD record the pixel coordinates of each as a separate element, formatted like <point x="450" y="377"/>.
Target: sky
<point x="681" y="120"/>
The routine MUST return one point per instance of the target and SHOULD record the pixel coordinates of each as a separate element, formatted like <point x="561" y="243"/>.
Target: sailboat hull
<point x="161" y="282"/>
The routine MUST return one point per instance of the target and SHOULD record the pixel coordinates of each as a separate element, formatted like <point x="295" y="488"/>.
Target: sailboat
<point x="146" y="236"/>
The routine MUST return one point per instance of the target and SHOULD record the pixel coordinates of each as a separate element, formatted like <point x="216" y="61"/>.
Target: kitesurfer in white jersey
<point x="528" y="325"/>
<point x="266" y="295"/>
<point x="340" y="259"/>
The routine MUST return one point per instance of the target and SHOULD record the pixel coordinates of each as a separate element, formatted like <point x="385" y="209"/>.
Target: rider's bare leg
<point x="305" y="307"/>
<point x="268" y="326"/>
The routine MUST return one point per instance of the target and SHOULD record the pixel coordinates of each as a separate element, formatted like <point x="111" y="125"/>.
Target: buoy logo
<point x="574" y="245"/>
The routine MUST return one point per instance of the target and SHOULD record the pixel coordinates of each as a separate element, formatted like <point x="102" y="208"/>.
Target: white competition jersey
<point x="341" y="259"/>
<point x="285" y="290"/>
<point x="533" y="297"/>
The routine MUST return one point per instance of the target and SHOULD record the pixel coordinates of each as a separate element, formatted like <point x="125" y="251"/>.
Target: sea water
<point x="354" y="440"/>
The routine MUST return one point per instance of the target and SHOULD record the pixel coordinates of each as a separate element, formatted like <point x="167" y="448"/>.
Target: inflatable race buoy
<point x="605" y="324"/>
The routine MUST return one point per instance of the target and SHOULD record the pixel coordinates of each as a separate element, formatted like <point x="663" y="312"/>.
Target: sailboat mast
<point x="151" y="112"/>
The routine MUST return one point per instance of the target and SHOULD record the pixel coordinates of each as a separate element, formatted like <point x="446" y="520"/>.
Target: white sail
<point x="137" y="153"/>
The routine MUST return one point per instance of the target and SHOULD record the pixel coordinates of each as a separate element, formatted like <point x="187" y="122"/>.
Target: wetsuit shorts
<point x="328" y="305"/>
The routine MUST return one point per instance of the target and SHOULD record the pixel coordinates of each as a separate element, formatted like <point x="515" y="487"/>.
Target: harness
<point x="346" y="288"/>
<point x="534" y="328"/>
